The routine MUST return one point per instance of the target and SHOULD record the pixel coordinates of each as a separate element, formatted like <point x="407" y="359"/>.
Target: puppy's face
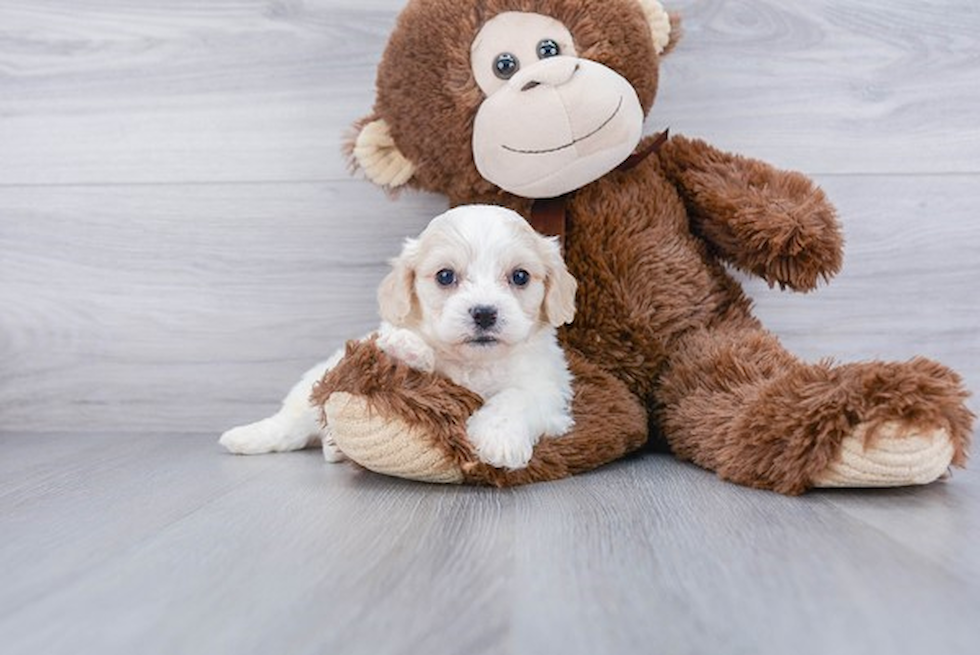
<point x="476" y="281"/>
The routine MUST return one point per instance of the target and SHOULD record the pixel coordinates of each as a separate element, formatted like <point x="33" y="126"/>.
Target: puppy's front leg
<point x="408" y="347"/>
<point x="505" y="430"/>
<point x="501" y="432"/>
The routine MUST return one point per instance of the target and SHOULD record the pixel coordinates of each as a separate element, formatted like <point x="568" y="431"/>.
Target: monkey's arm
<point x="775" y="224"/>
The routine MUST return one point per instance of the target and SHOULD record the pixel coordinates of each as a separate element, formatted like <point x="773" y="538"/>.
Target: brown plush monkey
<point x="519" y="102"/>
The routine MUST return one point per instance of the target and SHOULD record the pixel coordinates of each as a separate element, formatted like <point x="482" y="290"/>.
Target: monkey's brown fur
<point x="664" y="336"/>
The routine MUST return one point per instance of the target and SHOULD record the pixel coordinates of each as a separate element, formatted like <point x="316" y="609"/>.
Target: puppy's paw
<point x="265" y="436"/>
<point x="501" y="438"/>
<point x="331" y="453"/>
<point x="559" y="424"/>
<point x="408" y="347"/>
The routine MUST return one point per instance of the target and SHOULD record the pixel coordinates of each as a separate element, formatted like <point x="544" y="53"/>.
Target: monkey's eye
<point x="446" y="277"/>
<point x="519" y="277"/>
<point x="505" y="65"/>
<point x="548" y="48"/>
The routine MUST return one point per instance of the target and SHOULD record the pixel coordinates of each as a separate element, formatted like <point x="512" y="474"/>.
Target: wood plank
<point x="250" y="91"/>
<point x="692" y="564"/>
<point x="175" y="547"/>
<point x="183" y="91"/>
<point x="199" y="305"/>
<point x="324" y="540"/>
<point x="829" y="86"/>
<point x="65" y="515"/>
<point x="928" y="521"/>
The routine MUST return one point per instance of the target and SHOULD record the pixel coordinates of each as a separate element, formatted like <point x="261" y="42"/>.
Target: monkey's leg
<point x="734" y="401"/>
<point x="395" y="420"/>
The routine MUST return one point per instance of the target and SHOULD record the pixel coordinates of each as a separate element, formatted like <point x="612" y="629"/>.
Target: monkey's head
<point x="535" y="98"/>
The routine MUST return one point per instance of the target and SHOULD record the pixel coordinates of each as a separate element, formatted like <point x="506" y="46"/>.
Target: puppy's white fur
<point x="515" y="364"/>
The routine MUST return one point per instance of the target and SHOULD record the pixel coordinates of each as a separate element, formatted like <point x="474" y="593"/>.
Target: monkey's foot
<point x="895" y="455"/>
<point x="387" y="444"/>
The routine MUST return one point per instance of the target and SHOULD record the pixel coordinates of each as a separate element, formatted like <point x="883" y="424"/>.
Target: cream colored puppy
<point x="476" y="297"/>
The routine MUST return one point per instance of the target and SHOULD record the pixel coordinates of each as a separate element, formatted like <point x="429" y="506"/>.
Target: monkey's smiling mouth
<point x="573" y="141"/>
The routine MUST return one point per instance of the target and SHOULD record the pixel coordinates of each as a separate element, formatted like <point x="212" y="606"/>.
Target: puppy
<point x="476" y="297"/>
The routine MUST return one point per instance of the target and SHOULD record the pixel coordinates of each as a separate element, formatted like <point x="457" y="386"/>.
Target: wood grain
<point x="160" y="544"/>
<point x="830" y="86"/>
<point x="191" y="306"/>
<point x="264" y="91"/>
<point x="183" y="91"/>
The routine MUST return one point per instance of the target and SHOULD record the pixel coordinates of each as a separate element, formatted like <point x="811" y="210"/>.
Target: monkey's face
<point x="531" y="98"/>
<point x="552" y="121"/>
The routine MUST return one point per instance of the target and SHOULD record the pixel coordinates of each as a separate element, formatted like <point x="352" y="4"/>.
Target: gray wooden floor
<point x="179" y="240"/>
<point x="158" y="544"/>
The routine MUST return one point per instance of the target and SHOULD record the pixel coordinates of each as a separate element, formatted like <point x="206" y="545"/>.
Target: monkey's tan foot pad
<point x="386" y="445"/>
<point x="897" y="455"/>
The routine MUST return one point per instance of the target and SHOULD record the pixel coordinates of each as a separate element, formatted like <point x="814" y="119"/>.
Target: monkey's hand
<point x="772" y="223"/>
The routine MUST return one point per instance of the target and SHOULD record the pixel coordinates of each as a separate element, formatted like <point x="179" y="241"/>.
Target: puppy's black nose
<point x="484" y="316"/>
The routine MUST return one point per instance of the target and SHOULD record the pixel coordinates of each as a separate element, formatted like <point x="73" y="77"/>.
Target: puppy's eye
<point x="446" y="277"/>
<point x="520" y="277"/>
<point x="548" y="48"/>
<point x="505" y="65"/>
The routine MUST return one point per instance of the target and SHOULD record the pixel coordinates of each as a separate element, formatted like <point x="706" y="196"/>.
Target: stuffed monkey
<point x="539" y="105"/>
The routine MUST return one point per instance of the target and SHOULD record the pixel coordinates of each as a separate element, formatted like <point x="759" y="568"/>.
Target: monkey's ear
<point x="372" y="149"/>
<point x="664" y="27"/>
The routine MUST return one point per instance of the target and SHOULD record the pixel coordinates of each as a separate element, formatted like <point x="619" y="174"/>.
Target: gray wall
<point x="179" y="237"/>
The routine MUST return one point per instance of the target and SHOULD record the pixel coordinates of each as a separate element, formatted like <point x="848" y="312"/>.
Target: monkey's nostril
<point x="530" y="85"/>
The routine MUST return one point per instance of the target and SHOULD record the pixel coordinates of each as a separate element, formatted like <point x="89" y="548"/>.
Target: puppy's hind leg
<point x="296" y="425"/>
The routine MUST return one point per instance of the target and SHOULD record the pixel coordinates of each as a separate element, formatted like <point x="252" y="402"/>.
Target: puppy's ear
<point x="396" y="295"/>
<point x="560" y="286"/>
